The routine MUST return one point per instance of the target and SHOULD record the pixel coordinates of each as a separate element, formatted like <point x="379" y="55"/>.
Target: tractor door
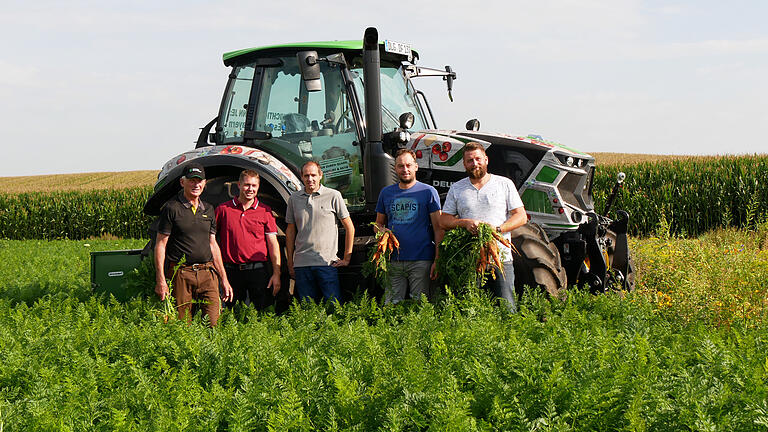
<point x="317" y="126"/>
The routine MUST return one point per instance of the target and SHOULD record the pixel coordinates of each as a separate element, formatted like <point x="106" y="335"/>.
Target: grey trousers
<point x="405" y="274"/>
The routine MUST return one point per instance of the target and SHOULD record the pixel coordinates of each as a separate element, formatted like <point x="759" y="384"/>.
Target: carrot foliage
<point x="466" y="260"/>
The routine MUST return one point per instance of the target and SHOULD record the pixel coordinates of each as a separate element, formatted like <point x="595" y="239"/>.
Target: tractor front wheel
<point x="539" y="261"/>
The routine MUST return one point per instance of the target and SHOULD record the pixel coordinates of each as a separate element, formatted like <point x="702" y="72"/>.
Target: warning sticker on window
<point x="335" y="167"/>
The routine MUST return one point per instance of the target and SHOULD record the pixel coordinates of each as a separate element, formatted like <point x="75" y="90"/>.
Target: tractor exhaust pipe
<point x="372" y="77"/>
<point x="379" y="166"/>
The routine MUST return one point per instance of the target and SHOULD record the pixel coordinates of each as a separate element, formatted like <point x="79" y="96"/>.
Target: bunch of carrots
<point x="169" y="304"/>
<point x="489" y="254"/>
<point x="378" y="257"/>
<point x="466" y="259"/>
<point x="386" y="242"/>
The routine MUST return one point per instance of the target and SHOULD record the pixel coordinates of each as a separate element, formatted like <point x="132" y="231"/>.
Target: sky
<point x="91" y="86"/>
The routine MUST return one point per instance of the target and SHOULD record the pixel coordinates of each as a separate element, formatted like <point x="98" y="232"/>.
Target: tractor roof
<point x="354" y="45"/>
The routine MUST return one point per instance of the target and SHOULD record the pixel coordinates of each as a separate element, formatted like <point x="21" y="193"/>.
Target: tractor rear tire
<point x="538" y="263"/>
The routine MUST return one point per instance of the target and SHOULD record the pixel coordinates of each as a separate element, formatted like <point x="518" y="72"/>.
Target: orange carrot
<point x="501" y="239"/>
<point x="483" y="261"/>
<point x="394" y="241"/>
<point x="493" y="248"/>
<point x="383" y="240"/>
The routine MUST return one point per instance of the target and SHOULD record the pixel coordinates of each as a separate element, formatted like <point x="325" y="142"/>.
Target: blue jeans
<point x="312" y="280"/>
<point x="504" y="286"/>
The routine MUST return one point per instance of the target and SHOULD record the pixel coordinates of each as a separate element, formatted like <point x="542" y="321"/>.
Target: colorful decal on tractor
<point x="231" y="150"/>
<point x="444" y="149"/>
<point x="453" y="159"/>
<point x="538" y="140"/>
<point x="268" y="161"/>
<point x="422" y="158"/>
<point x="416" y="141"/>
<point x="535" y="139"/>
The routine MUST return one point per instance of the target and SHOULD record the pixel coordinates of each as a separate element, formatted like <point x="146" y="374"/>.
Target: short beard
<point x="473" y="173"/>
<point x="412" y="180"/>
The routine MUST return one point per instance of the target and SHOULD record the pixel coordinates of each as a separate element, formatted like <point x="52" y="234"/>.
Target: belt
<point x="197" y="267"/>
<point x="246" y="266"/>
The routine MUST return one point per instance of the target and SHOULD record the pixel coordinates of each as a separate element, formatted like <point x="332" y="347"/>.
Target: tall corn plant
<point x="74" y="215"/>
<point x="694" y="196"/>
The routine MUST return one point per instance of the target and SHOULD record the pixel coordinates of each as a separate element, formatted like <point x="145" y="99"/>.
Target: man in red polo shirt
<point x="247" y="235"/>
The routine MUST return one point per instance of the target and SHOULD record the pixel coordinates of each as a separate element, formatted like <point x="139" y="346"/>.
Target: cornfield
<point x="77" y="182"/>
<point x="689" y="197"/>
<point x="681" y="197"/>
<point x="74" y="214"/>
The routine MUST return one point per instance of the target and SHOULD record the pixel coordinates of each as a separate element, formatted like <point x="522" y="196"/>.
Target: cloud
<point x="670" y="9"/>
<point x="19" y="75"/>
<point x="731" y="74"/>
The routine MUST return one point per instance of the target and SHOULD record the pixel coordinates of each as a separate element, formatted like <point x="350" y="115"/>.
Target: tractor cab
<point x="283" y="112"/>
<point x="267" y="105"/>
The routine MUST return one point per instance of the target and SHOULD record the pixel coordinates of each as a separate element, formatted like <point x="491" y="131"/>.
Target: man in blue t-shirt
<point x="411" y="210"/>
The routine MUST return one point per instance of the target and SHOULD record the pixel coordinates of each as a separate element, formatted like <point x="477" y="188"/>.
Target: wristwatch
<point x="498" y="229"/>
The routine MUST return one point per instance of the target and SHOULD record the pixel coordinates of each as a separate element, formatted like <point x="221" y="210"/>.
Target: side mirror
<point x="473" y="125"/>
<point x="406" y="120"/>
<point x="310" y="70"/>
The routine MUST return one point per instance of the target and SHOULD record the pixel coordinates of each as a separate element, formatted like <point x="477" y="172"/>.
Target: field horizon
<point x="137" y="178"/>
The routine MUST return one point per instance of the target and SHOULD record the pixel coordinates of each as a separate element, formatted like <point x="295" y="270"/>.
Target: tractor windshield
<point x="317" y="126"/>
<point x="283" y="106"/>
<point x="397" y="97"/>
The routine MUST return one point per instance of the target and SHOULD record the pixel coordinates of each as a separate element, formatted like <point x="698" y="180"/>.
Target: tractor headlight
<point x="576" y="217"/>
<point x="569" y="161"/>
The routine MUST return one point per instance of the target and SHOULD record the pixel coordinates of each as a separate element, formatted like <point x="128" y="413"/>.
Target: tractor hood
<point x="530" y="141"/>
<point x="443" y="149"/>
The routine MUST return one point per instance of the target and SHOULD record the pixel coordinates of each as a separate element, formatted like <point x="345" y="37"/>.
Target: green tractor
<point x="350" y="105"/>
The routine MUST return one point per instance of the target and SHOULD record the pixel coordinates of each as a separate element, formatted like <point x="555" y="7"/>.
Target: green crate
<point x="109" y="269"/>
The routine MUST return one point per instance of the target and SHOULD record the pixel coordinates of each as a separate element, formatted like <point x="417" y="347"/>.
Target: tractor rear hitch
<point x="596" y="272"/>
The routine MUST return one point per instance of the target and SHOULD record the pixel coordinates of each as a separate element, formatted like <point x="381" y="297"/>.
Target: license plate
<point x="397" y="47"/>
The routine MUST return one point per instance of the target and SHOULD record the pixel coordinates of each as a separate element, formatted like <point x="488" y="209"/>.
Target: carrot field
<point x="687" y="350"/>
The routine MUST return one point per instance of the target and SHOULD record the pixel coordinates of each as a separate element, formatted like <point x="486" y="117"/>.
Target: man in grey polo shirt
<point x="312" y="236"/>
<point x="486" y="198"/>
